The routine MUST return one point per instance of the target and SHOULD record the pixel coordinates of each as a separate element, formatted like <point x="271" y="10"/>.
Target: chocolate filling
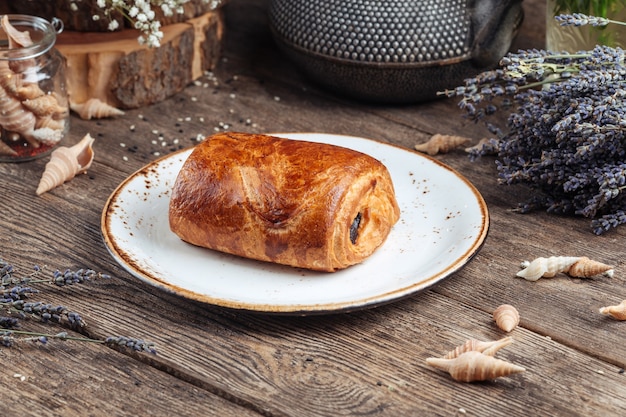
<point x="354" y="228"/>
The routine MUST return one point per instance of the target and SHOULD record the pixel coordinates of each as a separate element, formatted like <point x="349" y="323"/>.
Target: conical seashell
<point x="50" y="122"/>
<point x="546" y="267"/>
<point x="29" y="92"/>
<point x="506" y="317"/>
<point x="474" y="366"/>
<point x="488" y="348"/>
<point x="95" y="109"/>
<point x="45" y="105"/>
<point x="484" y="142"/>
<point x="65" y="163"/>
<point x="585" y="268"/>
<point x="15" y="118"/>
<point x="439" y="143"/>
<point x="17" y="39"/>
<point x="618" y="311"/>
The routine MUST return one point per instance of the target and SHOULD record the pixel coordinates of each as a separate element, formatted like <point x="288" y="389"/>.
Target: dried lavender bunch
<point x="565" y="136"/>
<point x="14" y="308"/>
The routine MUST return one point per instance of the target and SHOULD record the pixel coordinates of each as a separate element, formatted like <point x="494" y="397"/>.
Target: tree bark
<point x="116" y="69"/>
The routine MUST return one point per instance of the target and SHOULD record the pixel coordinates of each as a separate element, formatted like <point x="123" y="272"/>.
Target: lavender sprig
<point x="14" y="304"/>
<point x="580" y="19"/>
<point x="9" y="338"/>
<point x="566" y="134"/>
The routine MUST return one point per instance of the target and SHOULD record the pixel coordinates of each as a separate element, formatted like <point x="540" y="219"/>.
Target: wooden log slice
<point x="115" y="68"/>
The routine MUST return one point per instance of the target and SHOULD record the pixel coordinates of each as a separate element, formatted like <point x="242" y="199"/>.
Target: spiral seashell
<point x="65" y="163"/>
<point x="95" y="109"/>
<point x="45" y="105"/>
<point x="586" y="268"/>
<point x="617" y="312"/>
<point x="16" y="38"/>
<point x="28" y="92"/>
<point x="50" y="122"/>
<point x="478" y="146"/>
<point x="506" y="317"/>
<point x="488" y="348"/>
<point x="546" y="267"/>
<point x="474" y="366"/>
<point x="15" y="118"/>
<point x="439" y="143"/>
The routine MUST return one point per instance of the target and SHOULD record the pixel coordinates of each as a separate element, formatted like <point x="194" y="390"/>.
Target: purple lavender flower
<point x="566" y="134"/>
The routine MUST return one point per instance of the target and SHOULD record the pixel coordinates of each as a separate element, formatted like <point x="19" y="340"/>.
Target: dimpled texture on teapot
<point x="382" y="31"/>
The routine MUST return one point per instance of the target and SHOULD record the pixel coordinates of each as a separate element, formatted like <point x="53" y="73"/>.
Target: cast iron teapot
<point x="397" y="51"/>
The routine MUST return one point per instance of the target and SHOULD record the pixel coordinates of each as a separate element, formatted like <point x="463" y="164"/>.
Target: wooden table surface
<point x="214" y="361"/>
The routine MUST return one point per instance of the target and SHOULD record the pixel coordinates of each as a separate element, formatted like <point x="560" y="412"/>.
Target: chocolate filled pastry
<point x="304" y="204"/>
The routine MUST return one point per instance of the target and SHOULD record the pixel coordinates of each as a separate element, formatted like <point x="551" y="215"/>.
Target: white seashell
<point x="488" y="348"/>
<point x="95" y="109"/>
<point x="506" y="317"/>
<point x="474" y="366"/>
<point x="617" y="312"/>
<point x="546" y="267"/>
<point x="439" y="143"/>
<point x="65" y="163"/>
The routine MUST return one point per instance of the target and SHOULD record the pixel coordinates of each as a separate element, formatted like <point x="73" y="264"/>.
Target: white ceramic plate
<point x="444" y="221"/>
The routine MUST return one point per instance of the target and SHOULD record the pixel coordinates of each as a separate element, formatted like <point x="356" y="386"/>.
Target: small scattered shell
<point x="546" y="267"/>
<point x="506" y="317"/>
<point x="95" y="109"/>
<point x="439" y="143"/>
<point x="65" y="163"/>
<point x="474" y="366"/>
<point x="586" y="268"/>
<point x="488" y="348"/>
<point x="617" y="312"/>
<point x="483" y="143"/>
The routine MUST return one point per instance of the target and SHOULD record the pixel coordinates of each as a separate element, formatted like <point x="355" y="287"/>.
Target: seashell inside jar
<point x="34" y="105"/>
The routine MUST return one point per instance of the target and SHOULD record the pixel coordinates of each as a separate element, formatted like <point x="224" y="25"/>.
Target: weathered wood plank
<point x="78" y="379"/>
<point x="213" y="361"/>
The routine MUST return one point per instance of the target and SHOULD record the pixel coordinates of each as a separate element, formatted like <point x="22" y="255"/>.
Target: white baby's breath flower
<point x="142" y="15"/>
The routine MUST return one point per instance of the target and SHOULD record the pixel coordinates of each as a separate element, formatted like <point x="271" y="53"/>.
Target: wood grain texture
<point x="213" y="361"/>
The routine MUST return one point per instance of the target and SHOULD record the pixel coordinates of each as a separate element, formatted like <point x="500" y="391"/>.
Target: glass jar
<point x="584" y="38"/>
<point x="34" y="104"/>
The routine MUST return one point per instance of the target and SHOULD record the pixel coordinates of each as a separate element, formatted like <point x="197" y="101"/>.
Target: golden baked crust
<point x="304" y="204"/>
